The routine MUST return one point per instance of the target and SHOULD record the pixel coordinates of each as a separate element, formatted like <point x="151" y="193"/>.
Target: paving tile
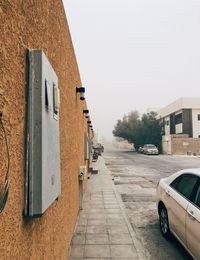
<point x="78" y="239"/>
<point x="119" y="229"/>
<point x="86" y="206"/>
<point x="113" y="211"/>
<point x="82" y="221"/>
<point x="125" y="258"/>
<point x="76" y="258"/>
<point x="96" y="199"/>
<point x="97" y="251"/>
<point x="111" y="206"/>
<point x="80" y="229"/>
<point x="123" y="251"/>
<point x="96" y="230"/>
<point x="96" y="195"/>
<point x="99" y="193"/>
<point x="115" y="216"/>
<point x="77" y="251"/>
<point x="111" y="222"/>
<point x="92" y="210"/>
<point x="101" y="232"/>
<point x="83" y="214"/>
<point x="86" y="196"/>
<point x="100" y="239"/>
<point x="110" y="201"/>
<point x="96" y="222"/>
<point x="96" y="204"/>
<point x="86" y="200"/>
<point x="123" y="239"/>
<point x="96" y="216"/>
<point x="109" y="198"/>
<point x="97" y="258"/>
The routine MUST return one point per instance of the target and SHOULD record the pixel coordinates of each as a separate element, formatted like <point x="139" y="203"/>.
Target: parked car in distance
<point x="140" y="149"/>
<point x="178" y="203"/>
<point x="98" y="148"/>
<point x="150" y="149"/>
<point x="95" y="155"/>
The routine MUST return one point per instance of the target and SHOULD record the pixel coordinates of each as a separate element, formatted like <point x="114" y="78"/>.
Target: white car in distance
<point x="178" y="203"/>
<point x="150" y="149"/>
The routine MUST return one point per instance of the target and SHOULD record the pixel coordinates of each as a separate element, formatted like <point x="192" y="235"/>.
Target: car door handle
<point x="167" y="193"/>
<point x="191" y="214"/>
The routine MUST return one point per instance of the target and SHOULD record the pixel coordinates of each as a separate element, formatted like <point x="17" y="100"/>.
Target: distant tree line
<point x="140" y="131"/>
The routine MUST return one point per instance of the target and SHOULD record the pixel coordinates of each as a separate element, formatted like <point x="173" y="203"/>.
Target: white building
<point x="181" y="120"/>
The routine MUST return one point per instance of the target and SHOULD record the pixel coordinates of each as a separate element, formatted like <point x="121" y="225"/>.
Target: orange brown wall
<point x="37" y="24"/>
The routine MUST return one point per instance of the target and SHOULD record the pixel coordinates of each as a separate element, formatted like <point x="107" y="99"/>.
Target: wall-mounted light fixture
<point x="86" y="112"/>
<point x="81" y="90"/>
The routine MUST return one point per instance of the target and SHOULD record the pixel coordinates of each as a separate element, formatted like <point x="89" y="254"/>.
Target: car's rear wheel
<point x="164" y="223"/>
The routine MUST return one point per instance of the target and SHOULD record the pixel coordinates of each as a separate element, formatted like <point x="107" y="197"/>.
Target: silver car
<point x="150" y="149"/>
<point x="178" y="202"/>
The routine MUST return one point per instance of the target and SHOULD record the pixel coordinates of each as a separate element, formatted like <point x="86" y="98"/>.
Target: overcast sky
<point x="134" y="54"/>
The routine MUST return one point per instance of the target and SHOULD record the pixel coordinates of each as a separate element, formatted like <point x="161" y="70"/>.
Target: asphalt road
<point x="136" y="176"/>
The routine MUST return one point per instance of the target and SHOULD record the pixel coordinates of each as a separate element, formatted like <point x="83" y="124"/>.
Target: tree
<point x="140" y="131"/>
<point x="152" y="128"/>
<point x="127" y="127"/>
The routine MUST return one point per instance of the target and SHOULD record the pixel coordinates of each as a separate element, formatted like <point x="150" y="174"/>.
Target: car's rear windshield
<point x="151" y="146"/>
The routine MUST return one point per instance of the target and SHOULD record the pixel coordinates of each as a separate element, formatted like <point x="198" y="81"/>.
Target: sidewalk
<point x="102" y="230"/>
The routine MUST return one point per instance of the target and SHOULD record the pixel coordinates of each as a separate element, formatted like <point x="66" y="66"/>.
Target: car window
<point x="151" y="146"/>
<point x="197" y="199"/>
<point x="184" y="184"/>
<point x="175" y="182"/>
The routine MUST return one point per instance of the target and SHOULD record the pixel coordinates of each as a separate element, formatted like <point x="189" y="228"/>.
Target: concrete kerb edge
<point x="141" y="252"/>
<point x="75" y="226"/>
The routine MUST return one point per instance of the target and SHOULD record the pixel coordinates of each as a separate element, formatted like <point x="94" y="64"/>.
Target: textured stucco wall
<point x="37" y="24"/>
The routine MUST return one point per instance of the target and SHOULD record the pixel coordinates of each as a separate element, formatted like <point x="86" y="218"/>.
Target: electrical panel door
<point x="42" y="180"/>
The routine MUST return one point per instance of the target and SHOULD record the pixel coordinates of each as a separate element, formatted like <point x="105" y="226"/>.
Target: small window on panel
<point x="56" y="99"/>
<point x="47" y="96"/>
<point x="198" y="117"/>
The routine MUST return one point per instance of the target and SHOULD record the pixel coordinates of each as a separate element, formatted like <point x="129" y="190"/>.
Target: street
<point x="135" y="177"/>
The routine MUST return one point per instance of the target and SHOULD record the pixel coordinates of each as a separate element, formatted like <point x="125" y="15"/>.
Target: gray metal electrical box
<point x="42" y="180"/>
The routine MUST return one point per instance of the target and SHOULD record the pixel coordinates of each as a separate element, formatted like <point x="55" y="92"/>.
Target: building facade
<point x="40" y="25"/>
<point x="181" y="126"/>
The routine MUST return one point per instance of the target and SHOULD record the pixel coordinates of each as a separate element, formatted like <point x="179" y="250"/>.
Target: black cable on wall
<point x="5" y="189"/>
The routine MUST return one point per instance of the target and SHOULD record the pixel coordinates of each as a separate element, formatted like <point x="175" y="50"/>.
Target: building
<point x="28" y="232"/>
<point x="181" y="126"/>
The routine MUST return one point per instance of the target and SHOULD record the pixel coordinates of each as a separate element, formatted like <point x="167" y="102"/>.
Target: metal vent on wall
<point x="42" y="175"/>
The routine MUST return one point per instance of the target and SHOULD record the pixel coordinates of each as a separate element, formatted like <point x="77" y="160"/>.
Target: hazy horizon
<point x="134" y="55"/>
